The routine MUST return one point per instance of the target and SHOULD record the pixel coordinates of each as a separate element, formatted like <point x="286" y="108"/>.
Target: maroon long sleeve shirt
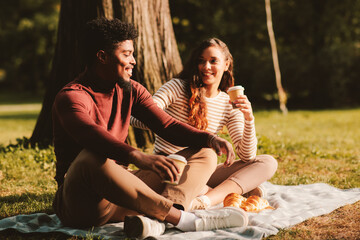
<point x="86" y="116"/>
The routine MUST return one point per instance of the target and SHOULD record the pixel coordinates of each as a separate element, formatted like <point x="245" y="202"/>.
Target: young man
<point x="91" y="118"/>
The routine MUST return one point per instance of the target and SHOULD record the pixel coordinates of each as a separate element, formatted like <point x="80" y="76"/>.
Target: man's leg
<point x="95" y="188"/>
<point x="201" y="165"/>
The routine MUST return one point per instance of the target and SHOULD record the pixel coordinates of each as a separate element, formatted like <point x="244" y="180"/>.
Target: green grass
<point x="310" y="146"/>
<point x="18" y="114"/>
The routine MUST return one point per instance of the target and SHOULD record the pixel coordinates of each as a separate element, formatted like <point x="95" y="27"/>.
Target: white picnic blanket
<point x="293" y="204"/>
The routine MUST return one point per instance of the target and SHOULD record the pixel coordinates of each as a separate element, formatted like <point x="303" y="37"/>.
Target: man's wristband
<point x="211" y="139"/>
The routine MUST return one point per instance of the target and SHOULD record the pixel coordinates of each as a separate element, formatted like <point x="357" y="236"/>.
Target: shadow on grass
<point x="26" y="203"/>
<point x="22" y="116"/>
<point x="13" y="234"/>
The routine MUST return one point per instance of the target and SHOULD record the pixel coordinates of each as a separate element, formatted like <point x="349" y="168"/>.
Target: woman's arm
<point x="243" y="135"/>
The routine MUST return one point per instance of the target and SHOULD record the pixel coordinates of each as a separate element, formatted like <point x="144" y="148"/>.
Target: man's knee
<point x="209" y="156"/>
<point x="84" y="164"/>
<point x="88" y="159"/>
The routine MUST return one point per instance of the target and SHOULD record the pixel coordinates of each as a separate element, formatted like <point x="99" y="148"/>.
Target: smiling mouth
<point x="129" y="70"/>
<point x="206" y="74"/>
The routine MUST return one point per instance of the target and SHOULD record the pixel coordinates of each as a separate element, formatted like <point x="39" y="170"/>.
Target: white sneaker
<point x="258" y="191"/>
<point x="199" y="203"/>
<point x="142" y="227"/>
<point x="220" y="218"/>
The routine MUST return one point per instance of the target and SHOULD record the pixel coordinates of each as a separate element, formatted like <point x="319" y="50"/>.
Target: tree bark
<point x="156" y="52"/>
<point x="281" y="92"/>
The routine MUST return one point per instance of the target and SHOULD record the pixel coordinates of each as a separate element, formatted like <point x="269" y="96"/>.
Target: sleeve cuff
<point x="250" y="122"/>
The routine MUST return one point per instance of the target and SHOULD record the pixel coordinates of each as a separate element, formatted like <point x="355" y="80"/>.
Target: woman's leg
<point x="241" y="177"/>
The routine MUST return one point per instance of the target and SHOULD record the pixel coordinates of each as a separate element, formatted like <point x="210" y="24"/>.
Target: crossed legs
<point x="241" y="177"/>
<point x="96" y="190"/>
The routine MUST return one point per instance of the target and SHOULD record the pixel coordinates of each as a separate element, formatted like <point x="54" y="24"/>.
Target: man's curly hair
<point x="104" y="34"/>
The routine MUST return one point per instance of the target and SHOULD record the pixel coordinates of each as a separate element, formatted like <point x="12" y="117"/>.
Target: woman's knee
<point x="270" y="163"/>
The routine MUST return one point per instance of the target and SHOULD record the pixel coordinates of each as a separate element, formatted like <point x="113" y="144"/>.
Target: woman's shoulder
<point x="222" y="97"/>
<point x="176" y="84"/>
<point x="177" y="81"/>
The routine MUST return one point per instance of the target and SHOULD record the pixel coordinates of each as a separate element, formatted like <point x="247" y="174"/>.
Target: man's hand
<point x="222" y="146"/>
<point x="165" y="167"/>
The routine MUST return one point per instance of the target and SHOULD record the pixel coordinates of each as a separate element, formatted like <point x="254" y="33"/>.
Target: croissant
<point x="255" y="204"/>
<point x="233" y="200"/>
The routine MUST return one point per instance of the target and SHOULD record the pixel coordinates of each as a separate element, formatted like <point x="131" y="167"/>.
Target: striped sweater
<point x="172" y="98"/>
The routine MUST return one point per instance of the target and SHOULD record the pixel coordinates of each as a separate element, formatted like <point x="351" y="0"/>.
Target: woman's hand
<point x="222" y="146"/>
<point x="244" y="106"/>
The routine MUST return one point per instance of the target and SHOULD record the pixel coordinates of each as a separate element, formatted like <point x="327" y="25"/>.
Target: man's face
<point x="121" y="62"/>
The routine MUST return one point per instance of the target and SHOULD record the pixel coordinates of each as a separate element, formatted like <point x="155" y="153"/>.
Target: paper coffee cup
<point x="181" y="163"/>
<point x="234" y="92"/>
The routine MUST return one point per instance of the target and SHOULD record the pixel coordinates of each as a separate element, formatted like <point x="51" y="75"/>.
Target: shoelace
<point x="216" y="222"/>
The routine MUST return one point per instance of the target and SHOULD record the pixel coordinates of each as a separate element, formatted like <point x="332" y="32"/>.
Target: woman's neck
<point x="211" y="91"/>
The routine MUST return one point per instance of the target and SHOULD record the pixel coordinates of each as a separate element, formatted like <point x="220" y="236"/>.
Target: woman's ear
<point x="101" y="56"/>
<point x="227" y="64"/>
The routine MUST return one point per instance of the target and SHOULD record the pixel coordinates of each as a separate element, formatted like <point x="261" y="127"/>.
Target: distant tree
<point x="281" y="92"/>
<point x="156" y="52"/>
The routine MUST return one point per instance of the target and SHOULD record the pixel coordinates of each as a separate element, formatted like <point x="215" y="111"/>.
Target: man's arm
<point x="71" y="108"/>
<point x="174" y="131"/>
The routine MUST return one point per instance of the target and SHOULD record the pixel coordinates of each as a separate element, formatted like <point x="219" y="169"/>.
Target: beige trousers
<point x="96" y="190"/>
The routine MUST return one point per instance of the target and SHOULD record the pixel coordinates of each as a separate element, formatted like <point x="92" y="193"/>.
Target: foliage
<point x="27" y="40"/>
<point x="318" y="45"/>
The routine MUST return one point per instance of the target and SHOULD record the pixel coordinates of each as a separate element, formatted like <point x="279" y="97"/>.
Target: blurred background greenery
<point x="318" y="44"/>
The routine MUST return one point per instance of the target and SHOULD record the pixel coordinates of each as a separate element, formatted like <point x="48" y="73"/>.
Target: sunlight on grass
<point x="17" y="121"/>
<point x="310" y="146"/>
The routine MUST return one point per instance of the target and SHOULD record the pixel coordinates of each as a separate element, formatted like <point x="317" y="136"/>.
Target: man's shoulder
<point x="72" y="91"/>
<point x="138" y="88"/>
<point x="136" y="85"/>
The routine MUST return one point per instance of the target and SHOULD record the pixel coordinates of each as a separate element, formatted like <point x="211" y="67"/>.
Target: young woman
<point x="198" y="97"/>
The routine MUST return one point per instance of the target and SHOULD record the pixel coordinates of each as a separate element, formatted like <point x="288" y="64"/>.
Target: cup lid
<point x="177" y="157"/>
<point x="238" y="87"/>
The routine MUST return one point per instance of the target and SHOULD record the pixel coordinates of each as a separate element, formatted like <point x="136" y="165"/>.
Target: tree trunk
<point x="156" y="52"/>
<point x="281" y="92"/>
<point x="158" y="58"/>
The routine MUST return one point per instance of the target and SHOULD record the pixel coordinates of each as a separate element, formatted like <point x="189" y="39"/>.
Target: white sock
<point x="206" y="200"/>
<point x="187" y="221"/>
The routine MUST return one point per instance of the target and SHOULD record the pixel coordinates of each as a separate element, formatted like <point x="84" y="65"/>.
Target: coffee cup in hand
<point x="234" y="92"/>
<point x="181" y="162"/>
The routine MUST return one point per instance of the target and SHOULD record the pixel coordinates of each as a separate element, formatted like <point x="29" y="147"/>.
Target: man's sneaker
<point x="142" y="227"/>
<point x="220" y="218"/>
<point x="258" y="191"/>
<point x="200" y="203"/>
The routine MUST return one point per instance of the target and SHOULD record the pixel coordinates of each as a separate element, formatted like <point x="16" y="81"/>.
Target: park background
<point x="318" y="43"/>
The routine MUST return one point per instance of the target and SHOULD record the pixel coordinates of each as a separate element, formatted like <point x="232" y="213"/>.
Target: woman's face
<point x="212" y="64"/>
